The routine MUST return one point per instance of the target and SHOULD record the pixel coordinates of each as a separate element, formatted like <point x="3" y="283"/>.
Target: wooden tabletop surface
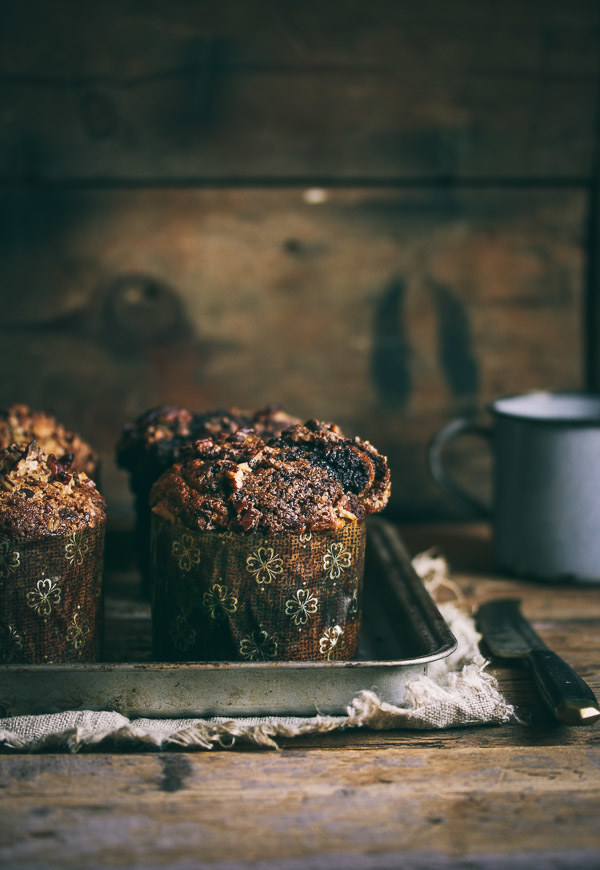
<point x="519" y="795"/>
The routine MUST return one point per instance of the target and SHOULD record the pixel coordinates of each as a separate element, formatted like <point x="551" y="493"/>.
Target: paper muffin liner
<point x="226" y="596"/>
<point x="51" y="605"/>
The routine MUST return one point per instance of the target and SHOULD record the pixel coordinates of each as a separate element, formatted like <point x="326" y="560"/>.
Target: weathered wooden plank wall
<point x="275" y="89"/>
<point x="375" y="213"/>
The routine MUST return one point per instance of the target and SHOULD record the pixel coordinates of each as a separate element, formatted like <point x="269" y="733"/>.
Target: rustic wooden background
<point x="379" y="213"/>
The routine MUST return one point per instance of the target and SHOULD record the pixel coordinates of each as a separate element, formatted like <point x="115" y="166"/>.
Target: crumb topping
<point x="155" y="440"/>
<point x="309" y="477"/>
<point x="41" y="495"/>
<point x="21" y="424"/>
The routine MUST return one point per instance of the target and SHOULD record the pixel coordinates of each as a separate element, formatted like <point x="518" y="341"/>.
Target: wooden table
<point x="519" y="795"/>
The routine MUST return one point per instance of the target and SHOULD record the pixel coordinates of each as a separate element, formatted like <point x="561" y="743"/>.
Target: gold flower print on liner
<point x="305" y="537"/>
<point x="329" y="641"/>
<point x="77" y="632"/>
<point x="11" y="644"/>
<point x="303" y="605"/>
<point x="46" y="593"/>
<point x="258" y="647"/>
<point x="219" y="602"/>
<point x="76" y="550"/>
<point x="185" y="552"/>
<point x="336" y="560"/>
<point x="264" y="565"/>
<point x="182" y="635"/>
<point x="10" y="560"/>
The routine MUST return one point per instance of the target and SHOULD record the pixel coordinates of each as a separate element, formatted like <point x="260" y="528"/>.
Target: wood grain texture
<point x="386" y="311"/>
<point x="308" y="90"/>
<point x="340" y="805"/>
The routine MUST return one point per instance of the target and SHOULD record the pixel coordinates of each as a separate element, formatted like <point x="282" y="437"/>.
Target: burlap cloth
<point x="455" y="691"/>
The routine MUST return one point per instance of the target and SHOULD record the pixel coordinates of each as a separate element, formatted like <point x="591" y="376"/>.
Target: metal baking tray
<point x="402" y="631"/>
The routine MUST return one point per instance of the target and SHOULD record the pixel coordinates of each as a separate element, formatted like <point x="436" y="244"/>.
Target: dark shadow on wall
<point x="390" y="359"/>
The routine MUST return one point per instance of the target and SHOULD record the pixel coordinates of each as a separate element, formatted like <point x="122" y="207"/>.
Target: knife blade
<point x="508" y="635"/>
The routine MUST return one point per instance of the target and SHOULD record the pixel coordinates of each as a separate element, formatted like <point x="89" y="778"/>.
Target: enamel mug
<point x="546" y="493"/>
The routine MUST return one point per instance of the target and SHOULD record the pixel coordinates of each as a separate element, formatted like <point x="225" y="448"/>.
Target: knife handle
<point x="568" y="696"/>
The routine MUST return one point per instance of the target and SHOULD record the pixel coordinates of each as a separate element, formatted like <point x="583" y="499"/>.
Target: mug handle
<point x="451" y="431"/>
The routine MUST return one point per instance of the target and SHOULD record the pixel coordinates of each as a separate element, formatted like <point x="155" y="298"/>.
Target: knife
<point x="508" y="635"/>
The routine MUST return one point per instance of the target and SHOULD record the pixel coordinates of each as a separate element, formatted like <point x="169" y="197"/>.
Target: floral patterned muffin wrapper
<point x="51" y="598"/>
<point x="223" y="596"/>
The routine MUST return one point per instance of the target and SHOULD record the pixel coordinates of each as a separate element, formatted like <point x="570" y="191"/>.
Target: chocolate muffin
<point x="21" y="424"/>
<point x="259" y="545"/>
<point x="52" y="521"/>
<point x="153" y="443"/>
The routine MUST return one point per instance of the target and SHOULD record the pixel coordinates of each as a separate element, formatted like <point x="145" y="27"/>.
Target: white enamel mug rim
<point x="548" y="407"/>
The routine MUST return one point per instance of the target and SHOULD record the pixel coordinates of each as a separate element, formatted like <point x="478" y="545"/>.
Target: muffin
<point x="21" y="424"/>
<point x="152" y="443"/>
<point x="52" y="521"/>
<point x="258" y="545"/>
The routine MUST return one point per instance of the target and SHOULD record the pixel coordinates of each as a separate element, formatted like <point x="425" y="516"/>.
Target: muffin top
<point x="22" y="424"/>
<point x="41" y="495"/>
<point x="310" y="477"/>
<point x="154" y="441"/>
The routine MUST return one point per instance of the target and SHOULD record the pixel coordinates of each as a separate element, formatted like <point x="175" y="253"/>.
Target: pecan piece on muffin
<point x="152" y="443"/>
<point x="21" y="424"/>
